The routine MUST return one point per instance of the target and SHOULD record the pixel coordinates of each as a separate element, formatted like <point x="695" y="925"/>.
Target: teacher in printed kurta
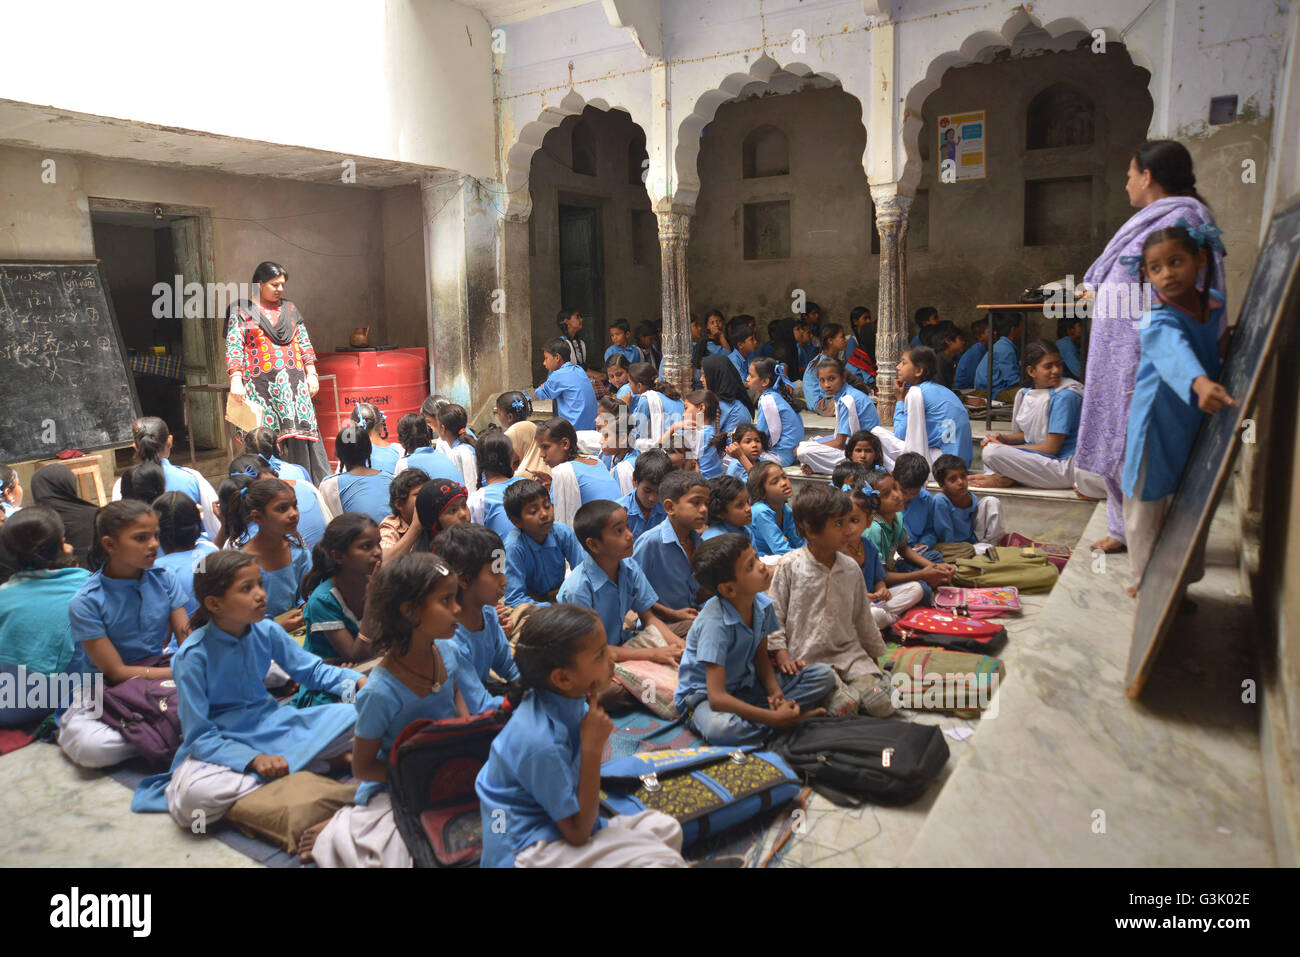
<point x="1161" y="184"/>
<point x="270" y="360"/>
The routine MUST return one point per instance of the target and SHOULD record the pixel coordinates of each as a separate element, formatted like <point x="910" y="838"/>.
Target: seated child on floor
<point x="342" y="564"/>
<point x="729" y="509"/>
<point x="440" y="505"/>
<point x="540" y="788"/>
<point x="960" y="516"/>
<point x="271" y="506"/>
<point x="665" y="551"/>
<point x="773" y="521"/>
<point x="609" y="581"/>
<point x="821" y="602"/>
<point x="496" y="463"/>
<point x="863" y="447"/>
<point x="887" y="604"/>
<point x="644" y="509"/>
<point x="727" y="689"/>
<point x="539" y="546"/>
<point x="122" y="618"/>
<point x="453" y="429"/>
<point x="180" y="547"/>
<point x="889" y="534"/>
<point x="421" y="676"/>
<point x="575" y="479"/>
<point x="236" y="737"/>
<point x="911" y="472"/>
<point x="617" y="454"/>
<point x="747" y="446"/>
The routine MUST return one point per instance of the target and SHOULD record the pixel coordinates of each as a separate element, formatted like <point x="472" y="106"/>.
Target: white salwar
<point x="362" y="835"/>
<point x="565" y="493"/>
<point x="648" y="839"/>
<point x="1030" y="415"/>
<point x="653" y="422"/>
<point x="901" y="598"/>
<point x="88" y="741"/>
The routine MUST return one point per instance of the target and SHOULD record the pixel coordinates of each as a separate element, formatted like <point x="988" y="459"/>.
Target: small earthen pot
<point x="360" y="337"/>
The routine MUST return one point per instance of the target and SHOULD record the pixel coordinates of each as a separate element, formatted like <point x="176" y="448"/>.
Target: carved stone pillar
<point x="675" y="299"/>
<point x="891" y="315"/>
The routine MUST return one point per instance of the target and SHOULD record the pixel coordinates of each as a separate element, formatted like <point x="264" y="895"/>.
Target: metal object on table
<point x="230" y="438"/>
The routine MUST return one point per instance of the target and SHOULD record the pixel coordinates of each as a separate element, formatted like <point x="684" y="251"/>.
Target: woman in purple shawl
<point x="1162" y="185"/>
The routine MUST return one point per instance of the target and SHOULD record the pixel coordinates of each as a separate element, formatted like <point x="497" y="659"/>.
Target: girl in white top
<point x="459" y="442"/>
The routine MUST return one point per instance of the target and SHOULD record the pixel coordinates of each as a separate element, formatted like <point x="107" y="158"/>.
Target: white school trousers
<point x="648" y="839"/>
<point x="88" y="741"/>
<point x="822" y="459"/>
<point x="362" y="835"/>
<point x="891" y="447"/>
<point x="200" y="786"/>
<point x="1028" y="468"/>
<point x="1143" y="522"/>
<point x="901" y="598"/>
<point x="988" y="520"/>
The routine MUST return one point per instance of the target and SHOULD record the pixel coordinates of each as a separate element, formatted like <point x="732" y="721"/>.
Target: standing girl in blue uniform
<point x="236" y="737"/>
<point x="773" y="519"/>
<point x="1175" y="387"/>
<point x="357" y="486"/>
<point x="383" y="454"/>
<point x="575" y="479"/>
<point x="271" y="506"/>
<point x="775" y="417"/>
<point x="930" y="419"/>
<point x="540" y="788"/>
<point x="122" y="619"/>
<point x="854" y="411"/>
<point x="414" y="608"/>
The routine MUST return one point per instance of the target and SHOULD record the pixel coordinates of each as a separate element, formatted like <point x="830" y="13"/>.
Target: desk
<point x="230" y="436"/>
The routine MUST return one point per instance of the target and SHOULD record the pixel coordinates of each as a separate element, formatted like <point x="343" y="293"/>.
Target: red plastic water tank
<point x="395" y="381"/>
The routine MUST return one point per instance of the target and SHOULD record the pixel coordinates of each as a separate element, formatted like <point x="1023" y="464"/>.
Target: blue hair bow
<point x="1205" y="235"/>
<point x="846" y="487"/>
<point x="780" y="375"/>
<point x="1133" y="262"/>
<point x="249" y="470"/>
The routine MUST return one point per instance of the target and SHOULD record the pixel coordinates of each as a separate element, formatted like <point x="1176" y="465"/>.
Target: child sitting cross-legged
<point x="609" y="581"/>
<point x="821" y="601"/>
<point x="887" y="604"/>
<point x="961" y="518"/>
<point x="911" y="471"/>
<point x="889" y="534"/>
<point x="727" y="689"/>
<point x="665" y="551"/>
<point x="537" y="549"/>
<point x="769" y="495"/>
<point x="540" y="788"/>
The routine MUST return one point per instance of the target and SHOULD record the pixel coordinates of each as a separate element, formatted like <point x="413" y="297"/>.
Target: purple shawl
<point x="1113" y="347"/>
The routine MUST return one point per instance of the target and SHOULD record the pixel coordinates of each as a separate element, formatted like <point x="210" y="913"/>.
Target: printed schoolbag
<point x="431" y="772"/>
<point x="856" y="758"/>
<point x="943" y="629"/>
<point x="978" y="602"/>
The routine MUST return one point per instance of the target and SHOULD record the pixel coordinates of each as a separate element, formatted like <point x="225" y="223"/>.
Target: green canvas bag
<point x="1027" y="569"/>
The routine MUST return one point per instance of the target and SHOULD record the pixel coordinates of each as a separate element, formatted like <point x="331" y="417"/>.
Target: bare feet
<point x="807" y="469"/>
<point x="1132" y="591"/>
<point x="1086" y="498"/>
<point x="990" y="481"/>
<point x="307" y="841"/>
<point x="1108" y="544"/>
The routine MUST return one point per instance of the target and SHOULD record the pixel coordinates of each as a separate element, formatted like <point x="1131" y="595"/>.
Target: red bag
<point x="940" y="629"/>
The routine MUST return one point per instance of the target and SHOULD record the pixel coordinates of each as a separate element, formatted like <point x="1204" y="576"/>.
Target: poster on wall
<point x="961" y="146"/>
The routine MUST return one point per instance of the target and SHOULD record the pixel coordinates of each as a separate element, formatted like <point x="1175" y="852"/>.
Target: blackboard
<point x="1273" y="294"/>
<point x="64" y="380"/>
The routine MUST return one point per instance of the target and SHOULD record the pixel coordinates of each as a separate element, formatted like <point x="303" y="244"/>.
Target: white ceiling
<point x="498" y="12"/>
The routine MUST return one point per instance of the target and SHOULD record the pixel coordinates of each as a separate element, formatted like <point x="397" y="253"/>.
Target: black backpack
<point x="855" y="758"/>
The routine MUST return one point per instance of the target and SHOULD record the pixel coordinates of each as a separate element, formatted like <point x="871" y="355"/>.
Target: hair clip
<point x="250" y="471"/>
<point x="242" y="491"/>
<point x="873" y="497"/>
<point x="1204" y="235"/>
<point x="847" y="487"/>
<point x="361" y="421"/>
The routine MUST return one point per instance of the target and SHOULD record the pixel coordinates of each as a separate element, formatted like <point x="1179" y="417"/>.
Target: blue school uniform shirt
<point x="631" y="353"/>
<point x="1006" y="367"/>
<point x="1164" y="417"/>
<point x="1063" y="411"/>
<point x="589" y="586"/>
<point x="854" y="410"/>
<point x="385" y="706"/>
<point x="918" y="517"/>
<point x="289" y="470"/>
<point x="663" y="559"/>
<point x="229" y="718"/>
<point x="732" y="413"/>
<point x="487" y="649"/>
<point x="595" y="483"/>
<point x="178" y="480"/>
<point x="181" y="565"/>
<point x="740" y="362"/>
<point x="624" y="394"/>
<point x="639" y="414"/>
<point x="530" y="780"/>
<point x="719" y="636"/>
<point x="873" y="569"/>
<point x="574" y="397"/>
<point x="726" y="528"/>
<point x="733" y="467"/>
<point x="964" y="378"/>
<point x="327" y="611"/>
<point x="941" y="407"/>
<point x="533" y="569"/>
<point x="771" y="404"/>
<point x="35" y="630"/>
<point x="435" y="464"/>
<point x="709" y="459"/>
<point x="384" y="457"/>
<point x="311" y="520"/>
<point x="953" y="524"/>
<point x="494" y="510"/>
<point x="133" y="613"/>
<point x="804" y="355"/>
<point x="1070" y="357"/>
<point x="637" y="520"/>
<point x="367" y="494"/>
<point x="812" y="388"/>
<point x="283" y="585"/>
<point x="773" y="536"/>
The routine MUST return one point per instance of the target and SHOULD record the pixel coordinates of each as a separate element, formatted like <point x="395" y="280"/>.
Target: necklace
<point x="434" y="685"/>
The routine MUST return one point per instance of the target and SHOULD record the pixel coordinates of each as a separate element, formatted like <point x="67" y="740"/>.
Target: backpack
<point x="942" y="629"/>
<point x="431" y="772"/>
<point x="1007" y="566"/>
<point x="146" y="712"/>
<point x="856" y="758"/>
<point x="978" y="602"/>
<point x="707" y="789"/>
<point x="1058" y="555"/>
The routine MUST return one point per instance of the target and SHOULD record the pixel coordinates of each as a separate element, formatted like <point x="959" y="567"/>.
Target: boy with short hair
<point x="911" y="470"/>
<point x="889" y="534"/>
<point x="821" y="600"/>
<point x="569" y="386"/>
<point x="620" y="337"/>
<point x="806" y="350"/>
<point x="1069" y="336"/>
<point x="925" y="316"/>
<point x="727" y="689"/>
<point x="744" y="341"/>
<point x="964" y="378"/>
<point x="647" y="337"/>
<point x="665" y="551"/>
<point x="644" y="510"/>
<point x="537" y="548"/>
<point x="960" y="516"/>
<point x="611" y="584"/>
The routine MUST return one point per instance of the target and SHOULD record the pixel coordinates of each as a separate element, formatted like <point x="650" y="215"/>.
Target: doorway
<point x="582" y="282"/>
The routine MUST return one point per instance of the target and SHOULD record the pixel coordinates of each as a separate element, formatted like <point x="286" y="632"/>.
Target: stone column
<point x="891" y="315"/>
<point x="675" y="299"/>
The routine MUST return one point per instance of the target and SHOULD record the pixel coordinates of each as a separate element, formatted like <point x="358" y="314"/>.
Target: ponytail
<point x="370" y="418"/>
<point x="455" y="420"/>
<point x="644" y="374"/>
<point x="515" y="406"/>
<point x="339" y="536"/>
<point x="149" y="436"/>
<point x="768" y="368"/>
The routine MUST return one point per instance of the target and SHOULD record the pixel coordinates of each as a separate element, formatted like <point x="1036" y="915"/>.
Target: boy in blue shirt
<point x="620" y="334"/>
<point x="1006" y="359"/>
<point x="925" y="316"/>
<point x="611" y="584"/>
<point x="644" y="510"/>
<point x="727" y="689"/>
<point x="665" y="552"/>
<point x="964" y="378"/>
<point x="744" y="341"/>
<point x="911" y="472"/>
<point x="1069" y="336"/>
<point x="537" y="548"/>
<point x="960" y="516"/>
<point x="569" y="386"/>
